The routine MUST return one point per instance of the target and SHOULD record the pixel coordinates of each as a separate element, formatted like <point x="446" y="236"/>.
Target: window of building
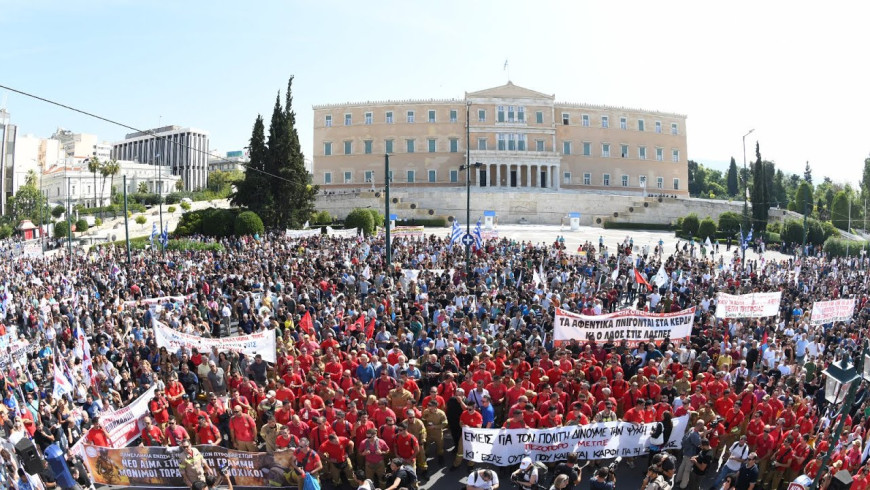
<point x="587" y="179"/>
<point x="388" y="146"/>
<point x="410" y="116"/>
<point x="625" y="181"/>
<point x="521" y="114"/>
<point x="660" y="154"/>
<point x="348" y="147"/>
<point x="674" y="128"/>
<point x="539" y="117"/>
<point x="328" y="121"/>
<point x="641" y="152"/>
<point x="389" y="117"/>
<point x="411" y="176"/>
<point x="481" y="144"/>
<point x="584" y="120"/>
<point x="539" y="145"/>
<point x="660" y="182"/>
<point x="327" y="148"/>
<point x="640" y="125"/>
<point x="512" y="110"/>
<point x="512" y="142"/>
<point x="481" y="115"/>
<point x="605" y="150"/>
<point x="409" y="146"/>
<point x="658" y="127"/>
<point x="501" y="142"/>
<point x="431" y="142"/>
<point x="623" y="123"/>
<point x="369" y="176"/>
<point x="675" y="155"/>
<point x="454" y="176"/>
<point x="327" y="178"/>
<point x="432" y="176"/>
<point x="641" y="180"/>
<point x="431" y="116"/>
<point x="521" y="142"/>
<point x="605" y="121"/>
<point x="368" y="146"/>
<point x="500" y="114"/>
<point x="566" y="178"/>
<point x="623" y="149"/>
<point x="676" y="184"/>
<point x="454" y="145"/>
<point x="348" y="177"/>
<point x="606" y="180"/>
<point x="566" y="119"/>
<point x="453" y="115"/>
<point x="587" y="149"/>
<point x="368" y="117"/>
<point x="347" y="119"/>
<point x="566" y="147"/>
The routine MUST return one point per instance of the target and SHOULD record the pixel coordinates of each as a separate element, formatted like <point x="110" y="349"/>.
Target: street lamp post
<point x="467" y="168"/>
<point x="387" y="209"/>
<point x="841" y="385"/>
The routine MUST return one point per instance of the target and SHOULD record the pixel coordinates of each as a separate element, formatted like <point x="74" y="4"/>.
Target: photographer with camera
<point x="482" y="480"/>
<point x="527" y="475"/>
<point x="660" y="475"/>
<point x="604" y="479"/>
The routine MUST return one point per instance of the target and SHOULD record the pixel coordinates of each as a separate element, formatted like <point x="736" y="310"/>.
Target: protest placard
<point x="631" y="325"/>
<point x="838" y="310"/>
<point x="753" y="305"/>
<point x="262" y="343"/>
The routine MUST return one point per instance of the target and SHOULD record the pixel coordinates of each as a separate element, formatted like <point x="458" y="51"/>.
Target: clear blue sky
<point x="794" y="72"/>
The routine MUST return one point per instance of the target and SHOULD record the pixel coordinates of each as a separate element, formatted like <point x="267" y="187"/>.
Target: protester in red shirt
<point x="97" y="435"/>
<point x="175" y="433"/>
<point x="207" y="433"/>
<point x="151" y="434"/>
<point x="335" y="450"/>
<point x="243" y="430"/>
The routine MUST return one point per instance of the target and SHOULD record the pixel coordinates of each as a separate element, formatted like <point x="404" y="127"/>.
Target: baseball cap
<point x="525" y="463"/>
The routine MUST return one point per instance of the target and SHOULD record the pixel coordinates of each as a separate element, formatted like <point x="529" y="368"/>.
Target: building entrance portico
<point x="518" y="175"/>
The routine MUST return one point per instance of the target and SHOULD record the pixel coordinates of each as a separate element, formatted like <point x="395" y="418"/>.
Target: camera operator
<point x="482" y="480"/>
<point x="604" y="479"/>
<point x="527" y="475"/>
<point x="660" y="475"/>
<point x="402" y="475"/>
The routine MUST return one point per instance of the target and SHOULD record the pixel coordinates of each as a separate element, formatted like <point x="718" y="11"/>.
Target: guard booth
<point x="489" y="221"/>
<point x="393" y="218"/>
<point x="574" y="221"/>
<point x="28" y="230"/>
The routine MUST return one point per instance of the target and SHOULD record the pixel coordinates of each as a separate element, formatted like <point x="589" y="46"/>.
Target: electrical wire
<point x="148" y="132"/>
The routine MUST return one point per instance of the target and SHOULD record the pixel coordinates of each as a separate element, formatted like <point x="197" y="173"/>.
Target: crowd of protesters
<point x="380" y="366"/>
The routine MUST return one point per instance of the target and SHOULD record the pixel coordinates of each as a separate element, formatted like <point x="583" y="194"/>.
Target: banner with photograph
<point x="15" y="353"/>
<point x="262" y="343"/>
<point x="158" y="466"/>
<point x="631" y="325"/>
<point x="838" y="310"/>
<point x="506" y="447"/>
<point x="404" y="231"/>
<point x="753" y="305"/>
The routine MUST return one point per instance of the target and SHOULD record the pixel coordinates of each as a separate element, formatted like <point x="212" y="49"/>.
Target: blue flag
<point x="455" y="233"/>
<point x="478" y="235"/>
<point x="164" y="237"/>
<point x="153" y="234"/>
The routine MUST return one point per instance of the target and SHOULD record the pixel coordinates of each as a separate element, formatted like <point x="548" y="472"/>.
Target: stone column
<point x="528" y="176"/>
<point x="558" y="172"/>
<point x="498" y="175"/>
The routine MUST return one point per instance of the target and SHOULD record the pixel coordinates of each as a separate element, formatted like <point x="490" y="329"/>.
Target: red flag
<point x="306" y="325"/>
<point x="640" y="280"/>
<point x="764" y="338"/>
<point x="370" y="329"/>
<point x="359" y="324"/>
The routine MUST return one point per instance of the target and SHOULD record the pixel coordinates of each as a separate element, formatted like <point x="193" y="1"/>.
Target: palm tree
<point x="94" y="166"/>
<point x="110" y="169"/>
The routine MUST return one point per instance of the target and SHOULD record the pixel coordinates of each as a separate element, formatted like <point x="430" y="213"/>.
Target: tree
<point x="780" y="196"/>
<point x="759" y="194"/>
<point x="690" y="224"/>
<point x="808" y="173"/>
<point x="248" y="223"/>
<point x="94" y="166"/>
<point x="61" y="229"/>
<point x="707" y="228"/>
<point x="840" y="211"/>
<point x="729" y="223"/>
<point x="179" y="185"/>
<point x="360" y="218"/>
<point x="142" y="188"/>
<point x="140" y="220"/>
<point x="733" y="184"/>
<point x="804" y="198"/>
<point x="865" y="178"/>
<point x="28" y="203"/>
<point x="110" y="169"/>
<point x="277" y="186"/>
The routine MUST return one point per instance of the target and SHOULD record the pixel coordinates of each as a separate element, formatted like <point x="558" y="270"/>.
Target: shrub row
<point x="613" y="225"/>
<point x="840" y="247"/>
<point x="219" y="223"/>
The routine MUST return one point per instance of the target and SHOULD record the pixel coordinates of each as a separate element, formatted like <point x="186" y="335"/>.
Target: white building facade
<point x="88" y="190"/>
<point x="183" y="150"/>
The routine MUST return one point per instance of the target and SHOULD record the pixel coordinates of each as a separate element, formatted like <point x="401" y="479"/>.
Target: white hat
<point x="525" y="463"/>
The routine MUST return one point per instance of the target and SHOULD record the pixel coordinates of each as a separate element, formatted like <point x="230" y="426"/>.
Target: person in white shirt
<point x="482" y="480"/>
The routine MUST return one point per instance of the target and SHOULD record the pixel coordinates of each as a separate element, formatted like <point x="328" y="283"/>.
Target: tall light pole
<point x="387" y="209"/>
<point x="745" y="176"/>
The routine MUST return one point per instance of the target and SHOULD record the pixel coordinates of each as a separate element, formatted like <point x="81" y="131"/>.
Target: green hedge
<point x="114" y="209"/>
<point x="615" y="225"/>
<point x="690" y="224"/>
<point x="81" y="226"/>
<point x="838" y="247"/>
<point x="210" y="221"/>
<point x="361" y="218"/>
<point x="248" y="223"/>
<point x="142" y="243"/>
<point x="61" y="230"/>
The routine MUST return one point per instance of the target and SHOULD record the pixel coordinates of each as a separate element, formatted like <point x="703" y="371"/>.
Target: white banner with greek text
<point x="262" y="343"/>
<point x="124" y="425"/>
<point x="631" y="325"/>
<point x="754" y="305"/>
<point x="838" y="310"/>
<point x="505" y="447"/>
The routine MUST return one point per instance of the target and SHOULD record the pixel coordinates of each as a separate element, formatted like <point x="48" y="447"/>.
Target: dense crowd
<point x="379" y="366"/>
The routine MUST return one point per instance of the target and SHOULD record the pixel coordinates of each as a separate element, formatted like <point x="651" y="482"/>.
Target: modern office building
<point x="232" y="160"/>
<point x="8" y="136"/>
<point x="183" y="150"/>
<point x="520" y="137"/>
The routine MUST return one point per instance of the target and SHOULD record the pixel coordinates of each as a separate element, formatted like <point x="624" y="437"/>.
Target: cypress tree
<point x="733" y="184"/>
<point x="249" y="191"/>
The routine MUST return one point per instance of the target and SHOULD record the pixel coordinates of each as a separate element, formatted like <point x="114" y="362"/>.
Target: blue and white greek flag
<point x="748" y="240"/>
<point x="478" y="235"/>
<point x="455" y="233"/>
<point x="164" y="237"/>
<point x="153" y="233"/>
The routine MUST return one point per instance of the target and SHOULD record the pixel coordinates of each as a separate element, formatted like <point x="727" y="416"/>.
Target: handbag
<point x="657" y="436"/>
